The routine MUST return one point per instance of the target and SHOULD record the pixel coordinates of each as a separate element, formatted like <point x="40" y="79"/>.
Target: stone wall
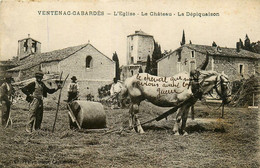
<point x="26" y="74"/>
<point x="170" y="65"/>
<point x="142" y="47"/>
<point x="128" y="71"/>
<point x="102" y="67"/>
<point x="100" y="73"/>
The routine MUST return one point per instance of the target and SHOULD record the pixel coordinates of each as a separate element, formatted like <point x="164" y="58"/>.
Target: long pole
<point x="222" y="112"/>
<point x="58" y="105"/>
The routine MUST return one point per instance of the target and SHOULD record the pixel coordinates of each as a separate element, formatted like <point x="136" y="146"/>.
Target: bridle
<point x="221" y="87"/>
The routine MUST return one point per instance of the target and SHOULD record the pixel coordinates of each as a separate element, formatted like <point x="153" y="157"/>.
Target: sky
<point x="108" y="33"/>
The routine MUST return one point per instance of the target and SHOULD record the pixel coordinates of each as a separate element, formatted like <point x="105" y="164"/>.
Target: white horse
<point x="183" y="90"/>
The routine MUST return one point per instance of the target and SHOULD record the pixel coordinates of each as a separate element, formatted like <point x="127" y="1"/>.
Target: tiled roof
<point x="29" y="38"/>
<point x="56" y="55"/>
<point x="7" y="63"/>
<point x="220" y="51"/>
<point x="140" y="32"/>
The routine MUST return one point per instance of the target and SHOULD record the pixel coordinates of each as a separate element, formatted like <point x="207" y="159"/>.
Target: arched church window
<point x="89" y="62"/>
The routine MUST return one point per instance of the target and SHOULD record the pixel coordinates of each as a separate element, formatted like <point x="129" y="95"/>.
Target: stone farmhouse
<point x="92" y="68"/>
<point x="235" y="62"/>
<point x="139" y="46"/>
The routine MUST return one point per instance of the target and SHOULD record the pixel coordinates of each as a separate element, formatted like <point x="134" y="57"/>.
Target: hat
<point x="39" y="74"/>
<point x="73" y="78"/>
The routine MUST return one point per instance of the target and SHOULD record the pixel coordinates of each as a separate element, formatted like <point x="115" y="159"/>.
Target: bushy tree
<point x="247" y="43"/>
<point x="214" y="44"/>
<point x="256" y="47"/>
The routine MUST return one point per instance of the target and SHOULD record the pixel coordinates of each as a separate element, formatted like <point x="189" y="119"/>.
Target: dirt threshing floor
<point x="232" y="142"/>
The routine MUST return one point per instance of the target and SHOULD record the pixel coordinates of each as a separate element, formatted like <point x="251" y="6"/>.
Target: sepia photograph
<point x="116" y="83"/>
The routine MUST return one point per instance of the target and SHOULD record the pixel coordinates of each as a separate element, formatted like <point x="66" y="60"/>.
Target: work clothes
<point x="35" y="92"/>
<point x="114" y="91"/>
<point x="6" y="91"/>
<point x="73" y="90"/>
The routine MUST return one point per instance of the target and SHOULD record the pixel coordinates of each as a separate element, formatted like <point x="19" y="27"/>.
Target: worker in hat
<point x="35" y="91"/>
<point x="73" y="93"/>
<point x="73" y="89"/>
<point x="6" y="92"/>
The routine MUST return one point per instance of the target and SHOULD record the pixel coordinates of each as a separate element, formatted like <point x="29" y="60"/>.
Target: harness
<point x="195" y="84"/>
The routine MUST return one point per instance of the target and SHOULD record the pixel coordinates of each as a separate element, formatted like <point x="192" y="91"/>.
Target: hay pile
<point x="244" y="90"/>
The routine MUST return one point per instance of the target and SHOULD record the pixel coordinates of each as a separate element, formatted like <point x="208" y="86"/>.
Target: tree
<point x="247" y="43"/>
<point x="115" y="58"/>
<point x="183" y="39"/>
<point x="157" y="54"/>
<point x="214" y="44"/>
<point x="256" y="47"/>
<point x="241" y="43"/>
<point x="166" y="52"/>
<point x="148" y="65"/>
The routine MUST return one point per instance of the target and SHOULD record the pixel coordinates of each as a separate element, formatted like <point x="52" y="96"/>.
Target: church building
<point x="91" y="67"/>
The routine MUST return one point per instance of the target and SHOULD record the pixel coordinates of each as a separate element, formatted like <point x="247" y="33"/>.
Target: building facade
<point x="235" y="62"/>
<point x="139" y="46"/>
<point x="92" y="68"/>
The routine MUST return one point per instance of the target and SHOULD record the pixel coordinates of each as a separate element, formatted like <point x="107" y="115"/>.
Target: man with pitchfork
<point x="35" y="91"/>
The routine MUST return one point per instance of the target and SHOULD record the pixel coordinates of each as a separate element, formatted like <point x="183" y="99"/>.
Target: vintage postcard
<point x="116" y="83"/>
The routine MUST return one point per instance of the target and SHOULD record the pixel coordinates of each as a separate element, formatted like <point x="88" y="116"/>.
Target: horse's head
<point x="223" y="88"/>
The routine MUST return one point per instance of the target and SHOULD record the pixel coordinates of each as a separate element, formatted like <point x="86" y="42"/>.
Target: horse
<point x="182" y="89"/>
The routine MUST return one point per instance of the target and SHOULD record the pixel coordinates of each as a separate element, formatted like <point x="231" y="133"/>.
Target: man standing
<point x="6" y="91"/>
<point x="73" y="92"/>
<point x="73" y="89"/>
<point x="114" y="92"/>
<point x="35" y="91"/>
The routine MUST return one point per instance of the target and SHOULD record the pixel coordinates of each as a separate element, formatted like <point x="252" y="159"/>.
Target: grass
<point x="236" y="146"/>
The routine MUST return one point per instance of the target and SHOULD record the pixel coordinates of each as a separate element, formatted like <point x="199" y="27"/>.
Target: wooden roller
<point x="89" y="114"/>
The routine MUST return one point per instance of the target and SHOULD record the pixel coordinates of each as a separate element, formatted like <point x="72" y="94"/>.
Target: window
<point x="132" y="48"/>
<point x="25" y="46"/>
<point x="89" y="62"/>
<point x="131" y="37"/>
<point x="132" y="72"/>
<point x="241" y="69"/>
<point x="132" y="60"/>
<point x="139" y="58"/>
<point x="192" y="54"/>
<point x="179" y="57"/>
<point x="34" y="46"/>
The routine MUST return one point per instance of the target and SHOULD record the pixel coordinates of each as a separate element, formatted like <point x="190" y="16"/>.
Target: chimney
<point x="238" y="46"/>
